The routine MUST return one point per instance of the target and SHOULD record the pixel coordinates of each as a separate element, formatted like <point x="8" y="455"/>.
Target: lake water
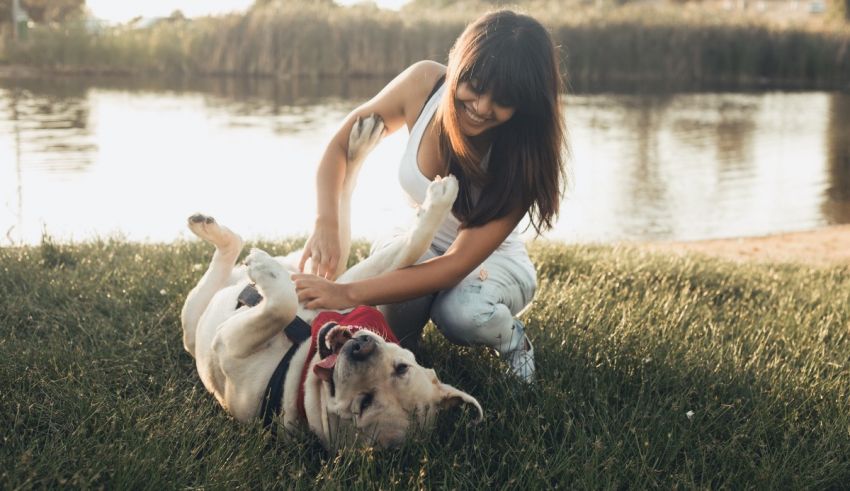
<point x="97" y="158"/>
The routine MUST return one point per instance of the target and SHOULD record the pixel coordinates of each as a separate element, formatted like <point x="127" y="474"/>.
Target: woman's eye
<point x="401" y="368"/>
<point x="366" y="401"/>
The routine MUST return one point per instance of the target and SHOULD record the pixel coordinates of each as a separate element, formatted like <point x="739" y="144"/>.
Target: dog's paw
<point x="365" y="134"/>
<point x="264" y="270"/>
<point x="205" y="227"/>
<point x="442" y="192"/>
<point x="273" y="283"/>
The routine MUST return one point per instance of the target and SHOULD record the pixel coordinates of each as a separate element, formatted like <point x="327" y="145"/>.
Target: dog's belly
<point x="246" y="379"/>
<point x="221" y="307"/>
<point x="238" y="384"/>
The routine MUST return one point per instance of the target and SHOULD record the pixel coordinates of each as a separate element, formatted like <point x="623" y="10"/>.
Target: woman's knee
<point x="466" y="317"/>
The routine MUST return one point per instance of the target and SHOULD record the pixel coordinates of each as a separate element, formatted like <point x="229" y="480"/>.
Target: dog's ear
<point x="450" y="397"/>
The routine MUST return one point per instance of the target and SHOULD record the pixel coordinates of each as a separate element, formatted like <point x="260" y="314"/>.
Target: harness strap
<point x="297" y="331"/>
<point x="248" y="297"/>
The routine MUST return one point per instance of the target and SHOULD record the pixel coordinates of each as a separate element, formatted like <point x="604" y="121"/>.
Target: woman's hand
<point x="316" y="292"/>
<point x="323" y="248"/>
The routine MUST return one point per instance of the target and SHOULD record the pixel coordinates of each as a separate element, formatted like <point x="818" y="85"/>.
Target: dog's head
<point x="376" y="391"/>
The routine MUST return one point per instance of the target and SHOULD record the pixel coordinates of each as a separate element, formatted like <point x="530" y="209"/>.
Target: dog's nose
<point x="361" y="347"/>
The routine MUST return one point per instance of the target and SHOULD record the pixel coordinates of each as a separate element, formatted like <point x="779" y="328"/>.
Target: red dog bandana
<point x="363" y="317"/>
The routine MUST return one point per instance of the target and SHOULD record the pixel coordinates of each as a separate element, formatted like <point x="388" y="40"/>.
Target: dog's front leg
<point x="365" y="134"/>
<point x="247" y="332"/>
<point x="405" y="250"/>
<point x="439" y="198"/>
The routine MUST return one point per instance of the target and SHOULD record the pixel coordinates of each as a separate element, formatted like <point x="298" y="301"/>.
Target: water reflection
<point x="48" y="128"/>
<point x="836" y="205"/>
<point x="89" y="158"/>
<point x="51" y="129"/>
<point x="642" y="119"/>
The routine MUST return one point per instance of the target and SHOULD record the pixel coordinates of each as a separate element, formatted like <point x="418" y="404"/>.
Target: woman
<point x="492" y="119"/>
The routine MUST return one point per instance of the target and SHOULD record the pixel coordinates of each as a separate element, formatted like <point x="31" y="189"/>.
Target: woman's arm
<point x="469" y="250"/>
<point x="329" y="244"/>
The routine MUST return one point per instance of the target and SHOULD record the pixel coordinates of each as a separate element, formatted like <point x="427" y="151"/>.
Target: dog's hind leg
<point x="228" y="245"/>
<point x="248" y="331"/>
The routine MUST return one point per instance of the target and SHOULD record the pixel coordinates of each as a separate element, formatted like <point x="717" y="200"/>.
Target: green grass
<point x="97" y="390"/>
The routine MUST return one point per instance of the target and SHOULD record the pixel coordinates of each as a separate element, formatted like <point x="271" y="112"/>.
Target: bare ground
<point x="826" y="246"/>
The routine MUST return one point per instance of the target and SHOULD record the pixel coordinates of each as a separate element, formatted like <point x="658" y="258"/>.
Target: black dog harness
<point x="297" y="331"/>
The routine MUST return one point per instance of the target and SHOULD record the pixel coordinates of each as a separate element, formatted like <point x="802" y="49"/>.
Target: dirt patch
<point x="821" y="247"/>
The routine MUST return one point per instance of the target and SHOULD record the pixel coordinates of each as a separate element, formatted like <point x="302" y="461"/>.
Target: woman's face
<point x="477" y="111"/>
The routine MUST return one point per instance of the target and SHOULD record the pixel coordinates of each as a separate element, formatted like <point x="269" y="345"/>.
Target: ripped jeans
<point x="480" y="310"/>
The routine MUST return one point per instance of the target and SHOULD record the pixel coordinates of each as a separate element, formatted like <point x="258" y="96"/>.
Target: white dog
<point x="349" y="383"/>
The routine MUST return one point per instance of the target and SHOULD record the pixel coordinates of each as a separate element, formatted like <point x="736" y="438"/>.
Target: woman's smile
<point x="480" y="112"/>
<point x="473" y="116"/>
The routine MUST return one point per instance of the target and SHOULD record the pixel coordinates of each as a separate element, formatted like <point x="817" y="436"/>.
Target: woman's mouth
<point x="475" y="118"/>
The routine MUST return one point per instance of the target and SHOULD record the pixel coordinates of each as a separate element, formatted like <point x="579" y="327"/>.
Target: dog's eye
<point x="401" y="369"/>
<point x="366" y="401"/>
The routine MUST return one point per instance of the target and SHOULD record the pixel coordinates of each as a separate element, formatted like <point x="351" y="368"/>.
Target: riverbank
<point x="825" y="246"/>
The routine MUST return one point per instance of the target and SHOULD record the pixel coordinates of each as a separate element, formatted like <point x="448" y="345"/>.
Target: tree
<point x="265" y="3"/>
<point x="839" y="8"/>
<point x="43" y="10"/>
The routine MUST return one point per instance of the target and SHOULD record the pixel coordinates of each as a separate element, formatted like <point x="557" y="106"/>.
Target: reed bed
<point x="298" y="40"/>
<point x="653" y="372"/>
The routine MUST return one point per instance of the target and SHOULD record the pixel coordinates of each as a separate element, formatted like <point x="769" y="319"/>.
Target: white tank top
<point x="415" y="184"/>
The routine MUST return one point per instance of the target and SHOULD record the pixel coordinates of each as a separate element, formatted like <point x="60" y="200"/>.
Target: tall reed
<point x="325" y="40"/>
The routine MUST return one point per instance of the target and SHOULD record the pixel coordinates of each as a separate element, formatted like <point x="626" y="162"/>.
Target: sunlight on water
<point x="91" y="161"/>
<point x="155" y="159"/>
<point x="696" y="166"/>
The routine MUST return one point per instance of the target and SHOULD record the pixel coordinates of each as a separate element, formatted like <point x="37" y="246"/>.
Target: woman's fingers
<point x="315" y="292"/>
<point x="304" y="287"/>
<point x="309" y="297"/>
<point x="316" y="257"/>
<point x="328" y="267"/>
<point x="305" y="295"/>
<point x="305" y="255"/>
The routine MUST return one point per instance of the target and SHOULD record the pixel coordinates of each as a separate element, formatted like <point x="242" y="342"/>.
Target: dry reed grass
<point x="296" y="40"/>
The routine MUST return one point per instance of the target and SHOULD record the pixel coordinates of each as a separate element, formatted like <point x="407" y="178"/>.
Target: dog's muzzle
<point x="360" y="348"/>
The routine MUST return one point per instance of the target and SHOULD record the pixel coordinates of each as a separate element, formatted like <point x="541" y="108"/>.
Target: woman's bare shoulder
<point x="419" y="80"/>
<point x="428" y="68"/>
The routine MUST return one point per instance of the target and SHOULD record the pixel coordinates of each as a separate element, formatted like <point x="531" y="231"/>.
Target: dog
<point x="343" y="375"/>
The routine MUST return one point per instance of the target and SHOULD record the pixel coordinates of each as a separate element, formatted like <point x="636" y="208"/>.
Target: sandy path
<point x="821" y="247"/>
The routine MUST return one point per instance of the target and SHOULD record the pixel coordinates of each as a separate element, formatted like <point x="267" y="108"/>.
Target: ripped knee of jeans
<point x="478" y="322"/>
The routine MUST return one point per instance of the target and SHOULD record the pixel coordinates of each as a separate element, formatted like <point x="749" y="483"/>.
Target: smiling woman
<point x="492" y="119"/>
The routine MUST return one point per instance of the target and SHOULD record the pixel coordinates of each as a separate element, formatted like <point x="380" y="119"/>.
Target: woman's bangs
<point x="509" y="80"/>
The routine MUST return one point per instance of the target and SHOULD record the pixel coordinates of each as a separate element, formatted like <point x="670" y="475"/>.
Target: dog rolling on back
<point x="343" y="378"/>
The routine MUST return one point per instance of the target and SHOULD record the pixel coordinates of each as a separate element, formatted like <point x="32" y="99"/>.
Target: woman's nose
<point x="484" y="105"/>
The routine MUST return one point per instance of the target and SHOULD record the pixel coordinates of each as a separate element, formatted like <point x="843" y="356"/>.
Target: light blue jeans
<point x="480" y="310"/>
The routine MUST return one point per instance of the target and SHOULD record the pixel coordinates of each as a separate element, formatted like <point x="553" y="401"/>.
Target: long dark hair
<point x="513" y="57"/>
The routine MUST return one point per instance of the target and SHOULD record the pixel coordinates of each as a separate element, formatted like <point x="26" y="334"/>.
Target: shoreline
<point x="825" y="246"/>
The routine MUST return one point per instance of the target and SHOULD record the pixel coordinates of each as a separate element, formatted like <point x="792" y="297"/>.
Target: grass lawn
<point x="653" y="371"/>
